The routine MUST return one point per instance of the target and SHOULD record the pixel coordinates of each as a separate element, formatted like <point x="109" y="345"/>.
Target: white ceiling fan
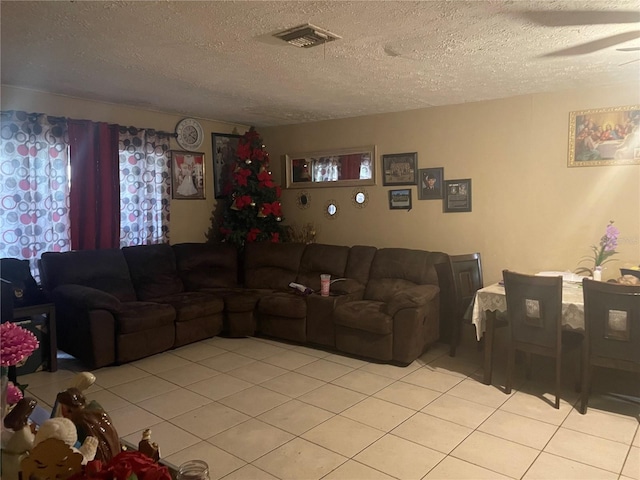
<point x="567" y="18"/>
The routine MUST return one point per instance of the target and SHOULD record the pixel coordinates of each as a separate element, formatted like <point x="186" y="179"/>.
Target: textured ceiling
<point x="218" y="60"/>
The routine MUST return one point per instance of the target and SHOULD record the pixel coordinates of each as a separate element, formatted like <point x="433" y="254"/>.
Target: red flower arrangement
<point x="265" y="180"/>
<point x="128" y="465"/>
<point x="253" y="234"/>
<point x="241" y="177"/>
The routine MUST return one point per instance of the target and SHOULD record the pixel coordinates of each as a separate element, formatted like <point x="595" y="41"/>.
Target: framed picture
<point x="187" y="175"/>
<point x="606" y="136"/>
<point x="430" y="183"/>
<point x="345" y="167"/>
<point x="457" y="195"/>
<point x="224" y="156"/>
<point x="400" y="199"/>
<point x="400" y="169"/>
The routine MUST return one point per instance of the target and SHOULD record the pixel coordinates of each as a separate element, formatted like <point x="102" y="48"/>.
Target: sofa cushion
<point x="383" y="289"/>
<point x="284" y="305"/>
<point x="191" y="305"/>
<point x="207" y="265"/>
<point x="153" y="270"/>
<point x="364" y="315"/>
<point x="271" y="265"/>
<point x="105" y="270"/>
<point x="318" y="259"/>
<point x="141" y="316"/>
<point x="359" y="263"/>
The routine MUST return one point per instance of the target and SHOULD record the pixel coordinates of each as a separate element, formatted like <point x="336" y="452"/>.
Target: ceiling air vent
<point x="307" y="36"/>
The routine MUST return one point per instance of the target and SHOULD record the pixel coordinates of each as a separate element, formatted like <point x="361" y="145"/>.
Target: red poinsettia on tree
<point x="254" y="212"/>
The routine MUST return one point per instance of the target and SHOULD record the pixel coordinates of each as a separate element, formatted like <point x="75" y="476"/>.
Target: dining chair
<point x="534" y="312"/>
<point x="612" y="330"/>
<point x="467" y="279"/>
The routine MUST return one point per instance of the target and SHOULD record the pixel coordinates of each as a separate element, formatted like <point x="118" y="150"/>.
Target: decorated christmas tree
<point x="253" y="212"/>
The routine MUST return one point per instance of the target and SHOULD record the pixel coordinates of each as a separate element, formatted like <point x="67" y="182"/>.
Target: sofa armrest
<point x="86" y="298"/>
<point x="344" y="286"/>
<point x="413" y="297"/>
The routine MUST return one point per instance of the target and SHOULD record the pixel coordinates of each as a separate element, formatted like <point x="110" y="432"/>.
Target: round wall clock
<point x="189" y="134"/>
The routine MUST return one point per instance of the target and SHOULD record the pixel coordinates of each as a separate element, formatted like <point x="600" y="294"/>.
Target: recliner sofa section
<point x="99" y="318"/>
<point x="115" y="306"/>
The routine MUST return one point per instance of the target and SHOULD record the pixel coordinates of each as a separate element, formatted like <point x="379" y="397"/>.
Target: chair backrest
<point x="612" y="320"/>
<point x="467" y="277"/>
<point x="534" y="308"/>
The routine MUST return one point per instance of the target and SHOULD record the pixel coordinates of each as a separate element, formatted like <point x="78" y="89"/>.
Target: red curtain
<point x="94" y="208"/>
<point x="350" y="167"/>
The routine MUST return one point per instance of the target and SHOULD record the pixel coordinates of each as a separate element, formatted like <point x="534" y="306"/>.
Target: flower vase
<point x="597" y="274"/>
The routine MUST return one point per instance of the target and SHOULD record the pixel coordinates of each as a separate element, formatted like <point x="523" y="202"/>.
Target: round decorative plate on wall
<point x="331" y="209"/>
<point x="303" y="200"/>
<point x="360" y="197"/>
<point x="189" y="134"/>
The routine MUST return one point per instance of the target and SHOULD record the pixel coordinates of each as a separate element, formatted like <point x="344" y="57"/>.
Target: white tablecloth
<point x="492" y="298"/>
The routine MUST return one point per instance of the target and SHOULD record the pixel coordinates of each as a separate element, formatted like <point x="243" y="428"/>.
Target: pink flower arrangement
<point x="14" y="394"/>
<point x="16" y="344"/>
<point x="602" y="252"/>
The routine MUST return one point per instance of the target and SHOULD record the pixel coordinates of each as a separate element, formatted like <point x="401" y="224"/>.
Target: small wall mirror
<point x="332" y="168"/>
<point x="331" y="209"/>
<point x="303" y="200"/>
<point x="360" y="197"/>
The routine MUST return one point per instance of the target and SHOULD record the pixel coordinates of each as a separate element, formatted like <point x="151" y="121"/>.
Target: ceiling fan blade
<point x="555" y="18"/>
<point x="630" y="49"/>
<point x="595" y="45"/>
<point x="631" y="61"/>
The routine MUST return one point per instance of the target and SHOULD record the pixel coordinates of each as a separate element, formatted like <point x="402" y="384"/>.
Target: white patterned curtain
<point x="144" y="187"/>
<point x="34" y="186"/>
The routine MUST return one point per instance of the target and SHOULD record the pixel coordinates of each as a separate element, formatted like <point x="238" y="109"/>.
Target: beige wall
<point x="189" y="218"/>
<point x="530" y="211"/>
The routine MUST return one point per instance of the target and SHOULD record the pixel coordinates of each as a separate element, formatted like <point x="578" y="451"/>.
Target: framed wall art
<point x="430" y="183"/>
<point x="605" y="136"/>
<point x="224" y="156"/>
<point x="187" y="175"/>
<point x="400" y="169"/>
<point x="346" y="167"/>
<point x="457" y="195"/>
<point x="400" y="199"/>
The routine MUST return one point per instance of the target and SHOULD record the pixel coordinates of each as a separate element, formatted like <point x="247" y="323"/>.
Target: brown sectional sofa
<point x="115" y="306"/>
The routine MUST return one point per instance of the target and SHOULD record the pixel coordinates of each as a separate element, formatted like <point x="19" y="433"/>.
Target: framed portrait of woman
<point x="187" y="175"/>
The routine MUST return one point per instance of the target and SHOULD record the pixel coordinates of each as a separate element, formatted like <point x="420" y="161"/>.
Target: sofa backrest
<point x="269" y="265"/>
<point x="153" y="270"/>
<point x="207" y="265"/>
<point x="394" y="269"/>
<point x="105" y="270"/>
<point x="359" y="263"/>
<point x="318" y="258"/>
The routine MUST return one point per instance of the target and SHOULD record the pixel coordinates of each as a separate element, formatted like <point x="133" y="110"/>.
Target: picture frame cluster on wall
<point x="401" y="169"/>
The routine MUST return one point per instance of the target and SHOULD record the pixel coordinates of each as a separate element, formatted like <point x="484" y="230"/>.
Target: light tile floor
<point x="259" y="409"/>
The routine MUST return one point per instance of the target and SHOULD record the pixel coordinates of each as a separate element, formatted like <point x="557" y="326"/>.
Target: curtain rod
<point x="123" y="129"/>
<point x="152" y="131"/>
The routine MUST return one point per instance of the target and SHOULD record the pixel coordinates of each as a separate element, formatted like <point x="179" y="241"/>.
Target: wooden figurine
<point x="150" y="449"/>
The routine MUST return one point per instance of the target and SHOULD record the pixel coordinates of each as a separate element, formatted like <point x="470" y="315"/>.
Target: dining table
<point x="489" y="307"/>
